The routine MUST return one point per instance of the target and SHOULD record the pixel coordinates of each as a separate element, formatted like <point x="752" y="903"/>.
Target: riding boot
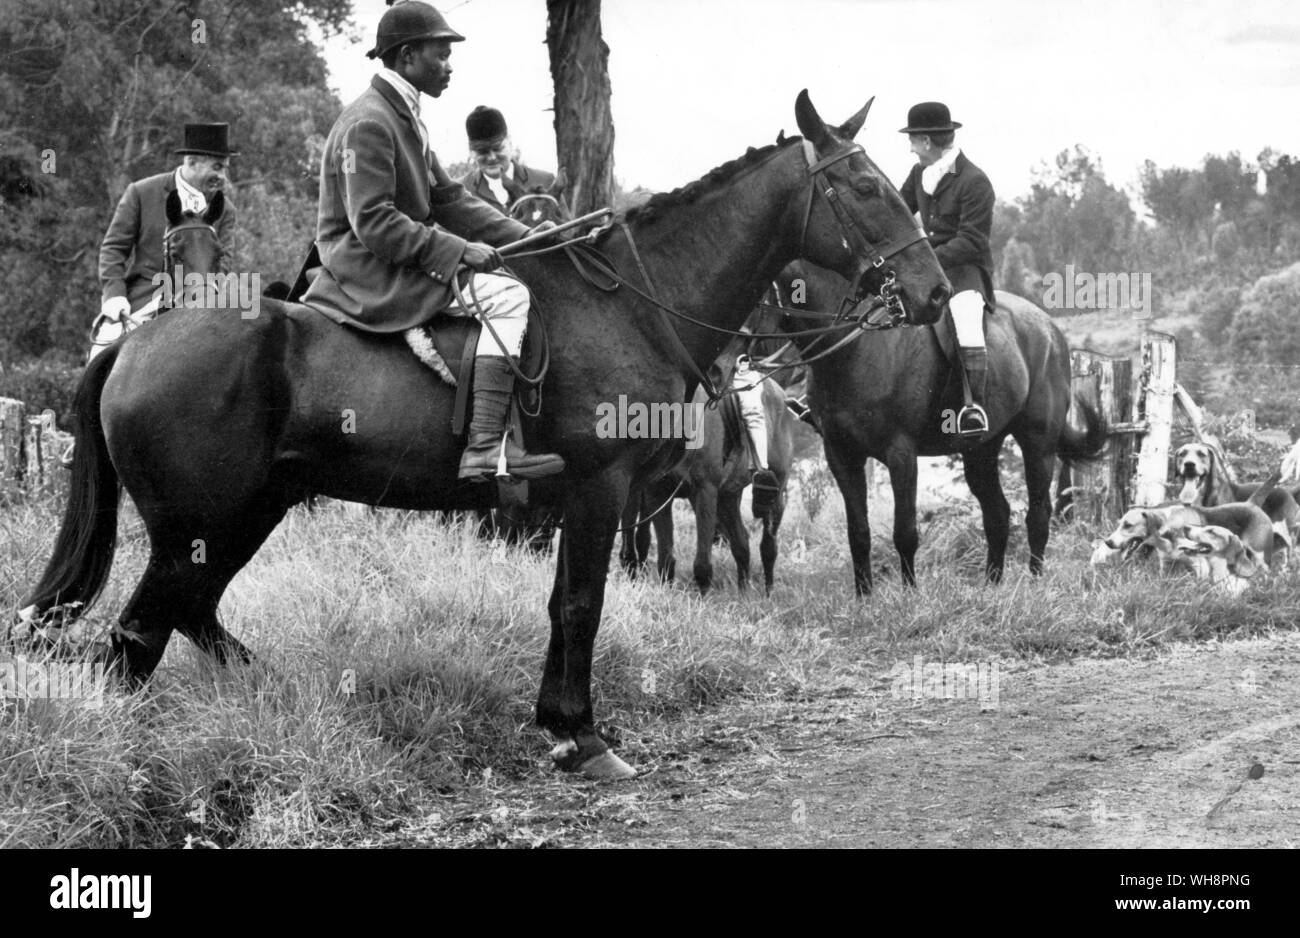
<point x="493" y="384"/>
<point x="973" y="421"/>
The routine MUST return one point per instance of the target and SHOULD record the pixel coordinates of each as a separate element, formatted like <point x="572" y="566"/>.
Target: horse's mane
<point x="658" y="203"/>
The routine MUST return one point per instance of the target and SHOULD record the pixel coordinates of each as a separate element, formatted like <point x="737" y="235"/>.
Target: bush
<point x="1214" y="307"/>
<point x="46" y="382"/>
<point x="1264" y="329"/>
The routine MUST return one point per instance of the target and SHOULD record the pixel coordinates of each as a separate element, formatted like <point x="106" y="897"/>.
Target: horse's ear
<point x="174" y="211"/>
<point x="850" y="128"/>
<point x="216" y="205"/>
<point x="811" y="124"/>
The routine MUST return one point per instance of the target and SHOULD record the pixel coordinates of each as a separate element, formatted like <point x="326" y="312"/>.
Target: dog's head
<point x="1223" y="550"/>
<point x="1135" y="528"/>
<point x="1193" y="463"/>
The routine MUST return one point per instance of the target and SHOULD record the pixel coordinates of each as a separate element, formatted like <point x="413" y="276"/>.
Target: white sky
<point x="695" y="82"/>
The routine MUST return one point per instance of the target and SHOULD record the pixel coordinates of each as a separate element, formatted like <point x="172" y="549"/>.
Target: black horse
<point x="714" y="477"/>
<point x="893" y="395"/>
<point x="216" y="423"/>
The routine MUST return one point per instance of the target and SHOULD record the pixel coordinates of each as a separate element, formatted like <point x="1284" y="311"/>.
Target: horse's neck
<point x="712" y="258"/>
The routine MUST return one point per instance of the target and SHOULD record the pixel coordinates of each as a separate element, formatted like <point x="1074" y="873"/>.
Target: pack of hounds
<point x="1218" y="530"/>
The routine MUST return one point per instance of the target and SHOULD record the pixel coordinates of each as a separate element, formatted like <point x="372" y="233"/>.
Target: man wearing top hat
<point x="131" y="253"/>
<point x="393" y="230"/>
<point x="954" y="200"/>
<point x="498" y="177"/>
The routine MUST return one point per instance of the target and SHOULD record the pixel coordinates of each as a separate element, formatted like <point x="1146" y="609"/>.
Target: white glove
<point x="115" y="307"/>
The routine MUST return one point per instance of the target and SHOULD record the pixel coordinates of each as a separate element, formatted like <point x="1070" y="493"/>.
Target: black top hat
<point x="485" y="123"/>
<point x="207" y="140"/>
<point x="412" y="21"/>
<point x="929" y="117"/>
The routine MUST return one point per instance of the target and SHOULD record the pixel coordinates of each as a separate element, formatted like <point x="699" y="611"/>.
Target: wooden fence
<point x="1136" y="398"/>
<point x="31" y="450"/>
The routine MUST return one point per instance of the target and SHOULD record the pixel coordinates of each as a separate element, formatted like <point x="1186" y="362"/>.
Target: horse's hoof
<point x="607" y="767"/>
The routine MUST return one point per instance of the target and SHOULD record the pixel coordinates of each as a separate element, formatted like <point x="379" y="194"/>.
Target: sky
<point x="696" y="82"/>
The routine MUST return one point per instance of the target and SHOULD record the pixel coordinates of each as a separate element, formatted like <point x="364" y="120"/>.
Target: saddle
<point x="447" y="345"/>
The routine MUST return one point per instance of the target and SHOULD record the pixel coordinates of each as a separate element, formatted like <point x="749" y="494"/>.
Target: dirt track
<point x="1115" y="753"/>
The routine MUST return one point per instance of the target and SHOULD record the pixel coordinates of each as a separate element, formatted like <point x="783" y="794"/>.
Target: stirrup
<point x="977" y="412"/>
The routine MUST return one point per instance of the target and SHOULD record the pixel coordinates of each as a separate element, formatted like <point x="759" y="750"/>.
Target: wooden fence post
<point x="1101" y="491"/>
<point x="1154" y="390"/>
<point x="13" y="440"/>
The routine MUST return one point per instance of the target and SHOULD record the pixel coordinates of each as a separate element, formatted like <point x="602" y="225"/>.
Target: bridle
<point x="854" y="238"/>
<point x="169" y="249"/>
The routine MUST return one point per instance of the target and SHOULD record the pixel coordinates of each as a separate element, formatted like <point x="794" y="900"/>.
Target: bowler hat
<point x="929" y="117"/>
<point x="485" y="123"/>
<point x="411" y="22"/>
<point x="207" y="140"/>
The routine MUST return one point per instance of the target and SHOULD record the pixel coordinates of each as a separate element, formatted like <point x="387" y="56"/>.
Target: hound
<point x="1206" y="484"/>
<point x="1159" y="527"/>
<point x="1226" y="561"/>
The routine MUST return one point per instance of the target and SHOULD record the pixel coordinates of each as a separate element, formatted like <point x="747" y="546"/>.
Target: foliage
<point x="95" y="93"/>
<point x="1265" y="328"/>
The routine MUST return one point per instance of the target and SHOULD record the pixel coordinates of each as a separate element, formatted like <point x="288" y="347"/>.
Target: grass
<point x="399" y="660"/>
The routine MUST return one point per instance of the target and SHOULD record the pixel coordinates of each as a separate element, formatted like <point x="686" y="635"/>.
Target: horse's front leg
<point x="901" y="459"/>
<point x="850" y="474"/>
<point x="591" y="514"/>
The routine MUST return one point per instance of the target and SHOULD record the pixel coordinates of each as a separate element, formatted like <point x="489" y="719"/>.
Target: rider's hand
<point x="481" y="257"/>
<point x="115" y="308"/>
<point x="543" y="226"/>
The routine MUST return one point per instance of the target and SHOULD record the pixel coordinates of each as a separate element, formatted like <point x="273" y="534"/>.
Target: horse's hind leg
<point x="1038" y="515"/>
<point x="767" y="547"/>
<point x="182" y="586"/>
<point x="981" y="469"/>
<point x="733" y="526"/>
<point x="705" y="503"/>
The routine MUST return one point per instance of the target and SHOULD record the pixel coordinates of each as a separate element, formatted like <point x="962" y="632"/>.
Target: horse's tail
<point x="1086" y="445"/>
<point x="83" y="550"/>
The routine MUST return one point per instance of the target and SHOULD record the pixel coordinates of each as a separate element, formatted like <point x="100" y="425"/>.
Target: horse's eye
<point x="865" y="185"/>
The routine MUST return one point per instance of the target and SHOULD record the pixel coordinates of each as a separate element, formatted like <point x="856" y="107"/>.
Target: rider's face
<point x="427" y="66"/>
<point x="926" y="152"/>
<point x="491" y="157"/>
<point x="205" y="173"/>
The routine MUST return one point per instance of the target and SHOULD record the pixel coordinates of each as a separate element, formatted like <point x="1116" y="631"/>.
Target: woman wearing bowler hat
<point x="954" y="200"/>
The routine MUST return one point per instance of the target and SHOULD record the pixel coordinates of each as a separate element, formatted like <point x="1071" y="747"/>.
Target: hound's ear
<point x="1247" y="563"/>
<point x="174" y="211"/>
<point x="216" y="206"/>
<point x="811" y="124"/>
<point x="850" y="128"/>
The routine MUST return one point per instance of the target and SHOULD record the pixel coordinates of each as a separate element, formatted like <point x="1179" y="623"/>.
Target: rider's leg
<point x="968" y="317"/>
<point x="503" y="302"/>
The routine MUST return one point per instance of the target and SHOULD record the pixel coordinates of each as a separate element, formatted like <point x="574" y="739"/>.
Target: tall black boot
<point x="493" y="384"/>
<point x="973" y="421"/>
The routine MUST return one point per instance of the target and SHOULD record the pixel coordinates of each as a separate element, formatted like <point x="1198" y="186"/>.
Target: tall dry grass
<point x="398" y="658"/>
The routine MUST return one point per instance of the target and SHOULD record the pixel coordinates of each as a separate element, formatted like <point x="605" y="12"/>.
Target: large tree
<point x="584" y="126"/>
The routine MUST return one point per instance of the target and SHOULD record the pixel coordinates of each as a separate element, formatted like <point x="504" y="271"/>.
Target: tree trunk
<point x="584" y="127"/>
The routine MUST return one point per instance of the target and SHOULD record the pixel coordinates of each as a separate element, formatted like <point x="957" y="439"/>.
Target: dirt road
<point x="1113" y="753"/>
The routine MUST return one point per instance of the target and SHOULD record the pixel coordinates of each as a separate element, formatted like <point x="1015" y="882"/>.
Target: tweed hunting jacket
<point x="524" y="182"/>
<point x="381" y="194"/>
<point x="959" y="220"/>
<point x="132" y="250"/>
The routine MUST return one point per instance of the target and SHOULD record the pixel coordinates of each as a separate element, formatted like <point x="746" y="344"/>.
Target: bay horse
<point x="887" y="395"/>
<point x="216" y="424"/>
<point x="713" y="477"/>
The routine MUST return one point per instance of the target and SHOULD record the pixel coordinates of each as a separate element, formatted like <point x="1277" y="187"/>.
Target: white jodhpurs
<point x="503" y="301"/>
<point x="749" y="392"/>
<point x="968" y="316"/>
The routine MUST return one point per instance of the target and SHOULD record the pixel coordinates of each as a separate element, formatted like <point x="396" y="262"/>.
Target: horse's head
<point x="191" y="241"/>
<point x="855" y="223"/>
